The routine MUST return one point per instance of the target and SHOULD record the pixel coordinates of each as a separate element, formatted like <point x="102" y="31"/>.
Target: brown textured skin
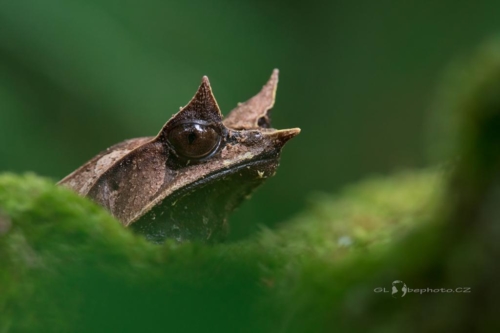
<point x="133" y="177"/>
<point x="131" y="183"/>
<point x="83" y="178"/>
<point x="247" y="115"/>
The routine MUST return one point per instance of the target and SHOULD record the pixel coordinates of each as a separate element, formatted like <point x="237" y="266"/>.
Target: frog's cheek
<point x="199" y="212"/>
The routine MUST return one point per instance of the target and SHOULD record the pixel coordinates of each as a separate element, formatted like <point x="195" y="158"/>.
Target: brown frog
<point x="184" y="182"/>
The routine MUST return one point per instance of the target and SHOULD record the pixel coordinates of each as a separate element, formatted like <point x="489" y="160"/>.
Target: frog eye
<point x="194" y="140"/>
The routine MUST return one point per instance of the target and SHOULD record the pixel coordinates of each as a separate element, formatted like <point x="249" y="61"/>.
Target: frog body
<point x="184" y="182"/>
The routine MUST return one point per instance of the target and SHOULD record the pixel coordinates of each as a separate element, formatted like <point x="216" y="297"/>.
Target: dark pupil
<point x="191" y="137"/>
<point x="193" y="141"/>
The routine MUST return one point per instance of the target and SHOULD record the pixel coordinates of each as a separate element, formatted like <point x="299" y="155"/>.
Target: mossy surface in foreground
<point x="67" y="264"/>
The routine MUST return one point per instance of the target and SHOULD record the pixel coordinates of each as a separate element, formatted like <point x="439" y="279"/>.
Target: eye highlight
<point x="194" y="140"/>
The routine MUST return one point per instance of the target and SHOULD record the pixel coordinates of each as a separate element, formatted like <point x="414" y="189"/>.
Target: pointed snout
<point x="280" y="137"/>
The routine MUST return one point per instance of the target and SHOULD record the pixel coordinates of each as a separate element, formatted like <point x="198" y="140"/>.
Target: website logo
<point x="399" y="289"/>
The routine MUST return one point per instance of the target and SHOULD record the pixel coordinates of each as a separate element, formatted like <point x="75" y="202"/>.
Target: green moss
<point x="73" y="258"/>
<point x="362" y="216"/>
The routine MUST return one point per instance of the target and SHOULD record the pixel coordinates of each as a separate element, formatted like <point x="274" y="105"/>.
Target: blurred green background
<point x="357" y="77"/>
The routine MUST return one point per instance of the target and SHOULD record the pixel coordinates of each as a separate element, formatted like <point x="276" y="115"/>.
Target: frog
<point x="183" y="183"/>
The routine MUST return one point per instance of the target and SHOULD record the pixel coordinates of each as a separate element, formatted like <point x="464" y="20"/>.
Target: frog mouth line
<point x="220" y="174"/>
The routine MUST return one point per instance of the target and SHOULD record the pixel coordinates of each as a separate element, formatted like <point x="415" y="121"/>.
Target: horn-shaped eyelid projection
<point x="254" y="113"/>
<point x="202" y="108"/>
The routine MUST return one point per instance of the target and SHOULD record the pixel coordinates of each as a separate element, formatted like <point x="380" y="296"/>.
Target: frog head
<point x="184" y="183"/>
